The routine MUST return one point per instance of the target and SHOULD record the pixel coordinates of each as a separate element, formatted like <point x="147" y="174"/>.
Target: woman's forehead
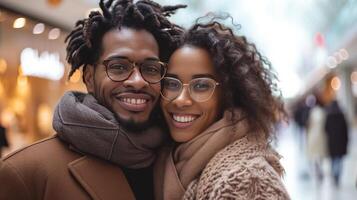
<point x="189" y="61"/>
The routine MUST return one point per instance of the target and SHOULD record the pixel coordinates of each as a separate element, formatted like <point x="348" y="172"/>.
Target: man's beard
<point x="131" y="125"/>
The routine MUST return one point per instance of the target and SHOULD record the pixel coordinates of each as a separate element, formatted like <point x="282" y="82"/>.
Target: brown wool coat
<point x="49" y="170"/>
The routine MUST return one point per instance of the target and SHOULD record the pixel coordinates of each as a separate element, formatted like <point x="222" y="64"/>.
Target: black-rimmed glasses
<point x="200" y="89"/>
<point x="120" y="69"/>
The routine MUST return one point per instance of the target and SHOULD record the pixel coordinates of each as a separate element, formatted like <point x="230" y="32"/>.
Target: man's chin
<point x="139" y="123"/>
<point x="133" y="124"/>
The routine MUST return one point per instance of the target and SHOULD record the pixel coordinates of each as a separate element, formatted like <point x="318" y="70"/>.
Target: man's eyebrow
<point x="125" y="57"/>
<point x="152" y="59"/>
<point x="203" y="76"/>
<point x="117" y="56"/>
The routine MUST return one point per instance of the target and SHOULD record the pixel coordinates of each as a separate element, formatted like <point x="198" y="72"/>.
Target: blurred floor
<point x="299" y="178"/>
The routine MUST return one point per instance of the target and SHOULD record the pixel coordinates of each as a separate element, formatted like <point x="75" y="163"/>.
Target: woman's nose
<point x="183" y="99"/>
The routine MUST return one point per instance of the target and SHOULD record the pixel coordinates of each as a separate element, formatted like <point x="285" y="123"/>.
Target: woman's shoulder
<point x="247" y="151"/>
<point x="254" y="179"/>
<point x="245" y="169"/>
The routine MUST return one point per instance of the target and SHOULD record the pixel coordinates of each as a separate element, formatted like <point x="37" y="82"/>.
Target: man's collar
<point x="100" y="179"/>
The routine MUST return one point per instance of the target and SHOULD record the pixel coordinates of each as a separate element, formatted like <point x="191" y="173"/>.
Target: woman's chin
<point x="182" y="135"/>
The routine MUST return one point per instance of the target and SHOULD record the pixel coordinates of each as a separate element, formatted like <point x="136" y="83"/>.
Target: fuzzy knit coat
<point x="243" y="170"/>
<point x="223" y="162"/>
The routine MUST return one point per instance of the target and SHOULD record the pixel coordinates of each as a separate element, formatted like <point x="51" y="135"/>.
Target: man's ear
<point x="88" y="77"/>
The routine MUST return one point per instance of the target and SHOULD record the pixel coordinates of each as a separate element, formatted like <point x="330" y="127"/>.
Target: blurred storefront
<point x="33" y="74"/>
<point x="335" y="77"/>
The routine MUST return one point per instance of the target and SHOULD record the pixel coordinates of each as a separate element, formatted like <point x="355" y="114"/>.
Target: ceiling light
<point x="38" y="28"/>
<point x="19" y="23"/>
<point x="344" y="54"/>
<point x="354" y="77"/>
<point x="331" y="62"/>
<point x="54" y="33"/>
<point x="335" y="83"/>
<point x="54" y="2"/>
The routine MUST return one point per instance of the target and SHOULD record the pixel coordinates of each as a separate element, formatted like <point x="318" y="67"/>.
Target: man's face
<point x="133" y="99"/>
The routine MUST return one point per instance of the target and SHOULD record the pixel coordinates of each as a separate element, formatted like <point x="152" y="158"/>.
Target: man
<point x="121" y="52"/>
<point x="336" y="128"/>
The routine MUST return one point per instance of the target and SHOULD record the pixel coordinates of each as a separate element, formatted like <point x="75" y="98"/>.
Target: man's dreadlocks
<point x="84" y="42"/>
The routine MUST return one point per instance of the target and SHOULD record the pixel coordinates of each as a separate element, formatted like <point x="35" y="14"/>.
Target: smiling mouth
<point x="183" y="120"/>
<point x="133" y="101"/>
<point x="134" y="104"/>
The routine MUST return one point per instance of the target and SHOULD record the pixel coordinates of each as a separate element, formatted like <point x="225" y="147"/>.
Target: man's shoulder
<point x="43" y="151"/>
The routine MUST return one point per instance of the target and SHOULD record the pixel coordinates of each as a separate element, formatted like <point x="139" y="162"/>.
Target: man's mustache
<point x="134" y="92"/>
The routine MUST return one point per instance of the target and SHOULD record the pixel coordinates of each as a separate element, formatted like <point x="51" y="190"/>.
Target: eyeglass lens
<point x="120" y="69"/>
<point x="200" y="89"/>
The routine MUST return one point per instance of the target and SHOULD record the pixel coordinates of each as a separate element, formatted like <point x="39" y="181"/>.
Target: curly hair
<point x="246" y="77"/>
<point x="84" y="42"/>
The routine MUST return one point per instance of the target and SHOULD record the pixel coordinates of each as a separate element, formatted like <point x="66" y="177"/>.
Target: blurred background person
<point x="336" y="128"/>
<point x="316" y="138"/>
<point x="301" y="113"/>
<point x="3" y="139"/>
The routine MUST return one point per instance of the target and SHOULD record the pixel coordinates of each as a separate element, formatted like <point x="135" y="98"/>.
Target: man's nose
<point x="136" y="80"/>
<point x="183" y="99"/>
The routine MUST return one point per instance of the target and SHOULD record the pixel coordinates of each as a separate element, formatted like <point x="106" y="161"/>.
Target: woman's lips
<point x="183" y="120"/>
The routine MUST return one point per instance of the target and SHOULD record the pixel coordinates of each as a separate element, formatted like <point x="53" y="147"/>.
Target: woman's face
<point x="185" y="116"/>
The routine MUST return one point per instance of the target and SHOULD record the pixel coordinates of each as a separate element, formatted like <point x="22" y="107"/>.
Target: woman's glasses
<point x="200" y="89"/>
<point x="120" y="69"/>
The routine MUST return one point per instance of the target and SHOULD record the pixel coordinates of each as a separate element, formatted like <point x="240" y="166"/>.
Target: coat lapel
<point x="102" y="180"/>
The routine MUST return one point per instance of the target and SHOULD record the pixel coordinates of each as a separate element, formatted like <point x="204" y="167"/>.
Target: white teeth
<point x="184" y="119"/>
<point x="134" y="101"/>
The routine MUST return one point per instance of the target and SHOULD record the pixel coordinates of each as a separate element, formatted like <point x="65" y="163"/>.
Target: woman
<point x="316" y="138"/>
<point x="217" y="99"/>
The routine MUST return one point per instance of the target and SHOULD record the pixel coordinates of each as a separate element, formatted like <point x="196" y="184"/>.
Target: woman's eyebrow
<point x="193" y="76"/>
<point x="203" y="76"/>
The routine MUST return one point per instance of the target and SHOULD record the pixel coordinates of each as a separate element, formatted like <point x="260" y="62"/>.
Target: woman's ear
<point x="88" y="77"/>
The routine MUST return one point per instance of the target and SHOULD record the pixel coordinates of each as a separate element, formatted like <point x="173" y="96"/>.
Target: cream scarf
<point x="175" y="169"/>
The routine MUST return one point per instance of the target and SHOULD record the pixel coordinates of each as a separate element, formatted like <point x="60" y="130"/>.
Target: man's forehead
<point x="127" y="41"/>
<point x="129" y="35"/>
